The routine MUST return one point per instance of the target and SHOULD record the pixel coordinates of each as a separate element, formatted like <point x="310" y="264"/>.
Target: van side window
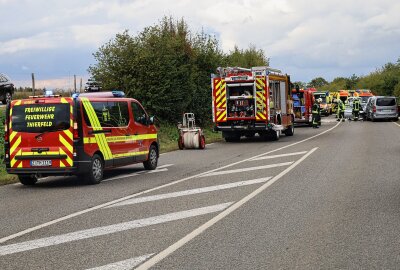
<point x="139" y="115"/>
<point x="110" y="114"/>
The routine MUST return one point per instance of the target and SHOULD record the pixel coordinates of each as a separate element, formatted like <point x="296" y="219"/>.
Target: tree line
<point x="384" y="81"/>
<point x="167" y="67"/>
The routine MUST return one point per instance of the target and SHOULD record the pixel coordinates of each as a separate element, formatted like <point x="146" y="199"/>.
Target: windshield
<point x="385" y="102"/>
<point x="364" y="99"/>
<point x="38" y="118"/>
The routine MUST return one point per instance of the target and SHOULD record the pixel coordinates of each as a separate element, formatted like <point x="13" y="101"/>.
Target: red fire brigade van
<point x="80" y="135"/>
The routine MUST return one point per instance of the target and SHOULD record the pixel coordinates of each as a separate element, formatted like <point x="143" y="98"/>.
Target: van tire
<point x="152" y="160"/>
<point x="96" y="170"/>
<point x="27" y="180"/>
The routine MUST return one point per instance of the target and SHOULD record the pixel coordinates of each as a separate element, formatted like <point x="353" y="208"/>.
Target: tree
<point x="167" y="68"/>
<point x="317" y="82"/>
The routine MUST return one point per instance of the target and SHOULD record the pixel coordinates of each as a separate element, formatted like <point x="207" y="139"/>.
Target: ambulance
<point x="81" y="135"/>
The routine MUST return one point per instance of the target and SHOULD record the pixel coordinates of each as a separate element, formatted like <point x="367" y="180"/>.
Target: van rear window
<point x="385" y="102"/>
<point x="37" y="118"/>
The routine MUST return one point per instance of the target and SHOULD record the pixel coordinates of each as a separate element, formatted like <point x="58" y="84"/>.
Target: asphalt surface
<point x="325" y="198"/>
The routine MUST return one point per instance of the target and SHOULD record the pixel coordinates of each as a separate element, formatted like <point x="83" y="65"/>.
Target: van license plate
<point x="40" y="163"/>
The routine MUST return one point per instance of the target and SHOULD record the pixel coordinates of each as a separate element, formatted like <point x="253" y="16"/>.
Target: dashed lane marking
<point x="105" y="230"/>
<point x="279" y="156"/>
<point x="190" y="192"/>
<point x="269" y="166"/>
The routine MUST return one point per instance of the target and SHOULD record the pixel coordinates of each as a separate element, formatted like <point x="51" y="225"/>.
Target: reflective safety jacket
<point x="316" y="109"/>
<point x="356" y="105"/>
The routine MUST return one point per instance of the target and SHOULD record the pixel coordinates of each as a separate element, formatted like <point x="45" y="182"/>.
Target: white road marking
<point x="282" y="155"/>
<point x="57" y="220"/>
<point x="165" y="166"/>
<point x="158" y="170"/>
<point x="396" y="124"/>
<point x="269" y="166"/>
<point x="120" y="177"/>
<point x="169" y="250"/>
<point x="99" y="231"/>
<point x="190" y="192"/>
<point x="125" y="264"/>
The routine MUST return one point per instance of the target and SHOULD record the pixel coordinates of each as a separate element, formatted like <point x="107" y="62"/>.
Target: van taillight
<point x="76" y="134"/>
<point x="374" y="109"/>
<point x="6" y="132"/>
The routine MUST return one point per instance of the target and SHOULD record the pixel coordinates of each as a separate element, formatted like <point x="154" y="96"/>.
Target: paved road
<point x="324" y="198"/>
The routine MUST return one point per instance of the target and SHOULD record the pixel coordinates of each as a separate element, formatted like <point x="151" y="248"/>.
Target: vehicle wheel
<point x="151" y="162"/>
<point x="27" y="180"/>
<point x="7" y="98"/>
<point x="232" y="139"/>
<point x="96" y="170"/>
<point x="202" y="140"/>
<point x="289" y="131"/>
<point x="180" y="142"/>
<point x="275" y="134"/>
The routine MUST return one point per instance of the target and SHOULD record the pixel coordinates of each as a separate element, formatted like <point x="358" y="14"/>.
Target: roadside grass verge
<point x="167" y="133"/>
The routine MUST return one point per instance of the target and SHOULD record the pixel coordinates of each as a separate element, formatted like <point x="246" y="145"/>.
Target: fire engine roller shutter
<point x="261" y="99"/>
<point x="220" y="99"/>
<point x="94" y="122"/>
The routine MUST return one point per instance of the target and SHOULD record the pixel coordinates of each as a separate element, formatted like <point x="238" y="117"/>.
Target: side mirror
<point x="150" y="121"/>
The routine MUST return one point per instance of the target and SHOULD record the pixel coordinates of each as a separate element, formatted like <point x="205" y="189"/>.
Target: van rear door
<point x="40" y="134"/>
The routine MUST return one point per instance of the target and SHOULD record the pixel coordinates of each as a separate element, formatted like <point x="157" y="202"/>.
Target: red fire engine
<point x="302" y="105"/>
<point x="249" y="101"/>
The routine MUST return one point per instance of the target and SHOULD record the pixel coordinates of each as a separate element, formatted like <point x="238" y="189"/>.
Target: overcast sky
<point x="307" y="39"/>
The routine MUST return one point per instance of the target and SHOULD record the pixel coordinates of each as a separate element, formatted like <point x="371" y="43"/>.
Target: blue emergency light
<point x="117" y="93"/>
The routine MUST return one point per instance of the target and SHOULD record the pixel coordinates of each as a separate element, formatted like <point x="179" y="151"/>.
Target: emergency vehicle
<point x="303" y="100"/>
<point x="249" y="101"/>
<point x="326" y="104"/>
<point x="80" y="135"/>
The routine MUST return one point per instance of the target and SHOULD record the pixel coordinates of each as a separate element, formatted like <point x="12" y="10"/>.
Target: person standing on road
<point x="316" y="114"/>
<point x="356" y="109"/>
<point x="340" y="110"/>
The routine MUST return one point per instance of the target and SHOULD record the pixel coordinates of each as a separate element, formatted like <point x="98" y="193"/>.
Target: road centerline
<point x="279" y="156"/>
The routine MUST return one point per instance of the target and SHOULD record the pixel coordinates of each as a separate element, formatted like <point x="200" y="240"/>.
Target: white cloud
<point x="309" y="38"/>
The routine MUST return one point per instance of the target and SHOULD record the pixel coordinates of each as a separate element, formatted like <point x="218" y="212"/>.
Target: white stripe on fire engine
<point x="248" y="169"/>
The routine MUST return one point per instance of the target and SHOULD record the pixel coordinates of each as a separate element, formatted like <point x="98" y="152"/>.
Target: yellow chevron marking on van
<point x="12" y="135"/>
<point x="13" y="161"/>
<point x="15" y="145"/>
<point x="65" y="143"/>
<point x="68" y="159"/>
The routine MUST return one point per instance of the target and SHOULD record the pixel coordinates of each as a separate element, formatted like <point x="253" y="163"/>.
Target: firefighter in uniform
<point x="356" y="109"/>
<point x="340" y="110"/>
<point x="316" y="114"/>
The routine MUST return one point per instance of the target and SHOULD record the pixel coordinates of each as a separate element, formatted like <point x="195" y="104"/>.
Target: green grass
<point x="167" y="133"/>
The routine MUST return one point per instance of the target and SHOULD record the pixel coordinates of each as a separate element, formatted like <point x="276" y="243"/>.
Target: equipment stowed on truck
<point x="249" y="101"/>
<point x="303" y="100"/>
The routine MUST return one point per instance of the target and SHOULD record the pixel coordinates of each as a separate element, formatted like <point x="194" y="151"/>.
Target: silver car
<point x="382" y="107"/>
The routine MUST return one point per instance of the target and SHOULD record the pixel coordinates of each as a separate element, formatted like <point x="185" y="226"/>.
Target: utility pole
<point x="33" y="83"/>
<point x="74" y="83"/>
<point x="80" y="87"/>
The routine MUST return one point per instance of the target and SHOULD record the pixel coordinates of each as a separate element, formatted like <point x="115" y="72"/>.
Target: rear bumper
<point x="79" y="168"/>
<point x="384" y="115"/>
